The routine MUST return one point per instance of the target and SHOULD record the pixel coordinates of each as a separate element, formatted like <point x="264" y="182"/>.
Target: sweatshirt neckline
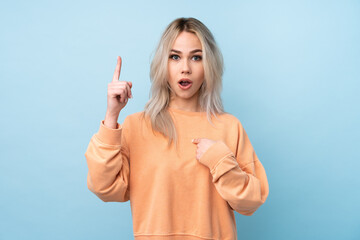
<point x="184" y="112"/>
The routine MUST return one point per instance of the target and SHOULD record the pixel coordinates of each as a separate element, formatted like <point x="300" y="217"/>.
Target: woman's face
<point x="185" y="67"/>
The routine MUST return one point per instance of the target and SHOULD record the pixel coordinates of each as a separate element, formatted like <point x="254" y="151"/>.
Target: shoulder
<point x="133" y="125"/>
<point x="229" y="119"/>
<point x="230" y="123"/>
<point x="134" y="118"/>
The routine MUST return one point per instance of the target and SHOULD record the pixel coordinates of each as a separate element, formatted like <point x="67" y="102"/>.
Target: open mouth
<point x="185" y="84"/>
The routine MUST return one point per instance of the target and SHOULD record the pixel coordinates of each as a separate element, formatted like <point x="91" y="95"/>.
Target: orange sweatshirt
<point x="173" y="195"/>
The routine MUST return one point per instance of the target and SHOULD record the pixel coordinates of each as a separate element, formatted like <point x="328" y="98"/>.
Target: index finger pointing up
<point x="117" y="70"/>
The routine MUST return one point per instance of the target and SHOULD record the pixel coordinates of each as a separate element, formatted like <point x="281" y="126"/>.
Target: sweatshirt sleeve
<point x="107" y="158"/>
<point x="239" y="177"/>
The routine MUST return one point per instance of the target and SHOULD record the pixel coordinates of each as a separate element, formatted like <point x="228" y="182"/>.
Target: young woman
<point x="184" y="164"/>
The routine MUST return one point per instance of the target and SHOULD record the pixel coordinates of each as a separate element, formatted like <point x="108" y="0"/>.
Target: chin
<point x="186" y="96"/>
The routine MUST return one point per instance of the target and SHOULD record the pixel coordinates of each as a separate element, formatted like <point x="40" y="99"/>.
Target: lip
<point x="185" y="87"/>
<point x="185" y="79"/>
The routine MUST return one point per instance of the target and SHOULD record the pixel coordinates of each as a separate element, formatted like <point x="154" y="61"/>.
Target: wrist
<point x="111" y="120"/>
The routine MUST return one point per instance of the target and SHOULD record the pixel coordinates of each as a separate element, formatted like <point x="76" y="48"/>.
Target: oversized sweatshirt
<point x="173" y="195"/>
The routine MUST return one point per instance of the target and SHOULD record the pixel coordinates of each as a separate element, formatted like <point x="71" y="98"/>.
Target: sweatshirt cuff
<point x="108" y="135"/>
<point x="214" y="154"/>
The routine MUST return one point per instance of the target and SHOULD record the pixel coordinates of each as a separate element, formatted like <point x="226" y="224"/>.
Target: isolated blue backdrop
<point x="292" y="71"/>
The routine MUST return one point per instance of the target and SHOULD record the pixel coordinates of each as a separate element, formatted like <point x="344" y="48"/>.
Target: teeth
<point x="184" y="83"/>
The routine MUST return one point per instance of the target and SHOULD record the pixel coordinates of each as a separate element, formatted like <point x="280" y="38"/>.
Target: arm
<point x="241" y="180"/>
<point x="108" y="162"/>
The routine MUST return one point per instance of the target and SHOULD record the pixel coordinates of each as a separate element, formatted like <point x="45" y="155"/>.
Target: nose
<point x="186" y="69"/>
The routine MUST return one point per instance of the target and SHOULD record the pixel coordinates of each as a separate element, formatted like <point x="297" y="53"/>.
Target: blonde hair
<point x="209" y="92"/>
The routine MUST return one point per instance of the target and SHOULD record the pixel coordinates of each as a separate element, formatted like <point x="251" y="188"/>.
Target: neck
<point x="190" y="105"/>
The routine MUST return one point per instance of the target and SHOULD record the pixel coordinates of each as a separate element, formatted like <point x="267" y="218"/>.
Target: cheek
<point x="200" y="71"/>
<point x="171" y="71"/>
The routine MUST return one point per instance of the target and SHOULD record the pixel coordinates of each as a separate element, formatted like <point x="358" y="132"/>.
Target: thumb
<point x="195" y="140"/>
<point x="130" y="84"/>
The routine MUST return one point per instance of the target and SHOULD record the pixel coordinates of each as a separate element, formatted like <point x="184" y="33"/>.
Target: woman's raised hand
<point x="118" y="91"/>
<point x="117" y="96"/>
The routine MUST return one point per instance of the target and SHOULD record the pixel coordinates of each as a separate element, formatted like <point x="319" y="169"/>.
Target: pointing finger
<point x="195" y="140"/>
<point x="117" y="70"/>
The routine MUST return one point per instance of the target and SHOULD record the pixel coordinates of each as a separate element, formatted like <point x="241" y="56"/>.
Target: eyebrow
<point x="193" y="51"/>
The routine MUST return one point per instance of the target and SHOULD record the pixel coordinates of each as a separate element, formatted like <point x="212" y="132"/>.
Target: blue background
<point x="292" y="71"/>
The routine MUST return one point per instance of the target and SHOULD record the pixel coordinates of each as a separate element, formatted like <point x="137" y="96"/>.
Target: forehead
<point x="186" y="41"/>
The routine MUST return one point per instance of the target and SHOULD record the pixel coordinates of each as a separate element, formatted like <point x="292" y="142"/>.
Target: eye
<point x="174" y="57"/>
<point x="197" y="57"/>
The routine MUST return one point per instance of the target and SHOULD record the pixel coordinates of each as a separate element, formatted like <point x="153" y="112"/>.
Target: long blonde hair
<point x="209" y="92"/>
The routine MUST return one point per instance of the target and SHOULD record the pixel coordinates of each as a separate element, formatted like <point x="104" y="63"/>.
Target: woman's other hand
<point x="203" y="144"/>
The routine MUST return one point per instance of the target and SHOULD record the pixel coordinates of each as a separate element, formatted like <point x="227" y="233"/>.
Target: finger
<point x="123" y="97"/>
<point x="130" y="86"/>
<point x="128" y="90"/>
<point x="195" y="140"/>
<point x="119" y="90"/>
<point x="124" y="94"/>
<point x="117" y="70"/>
